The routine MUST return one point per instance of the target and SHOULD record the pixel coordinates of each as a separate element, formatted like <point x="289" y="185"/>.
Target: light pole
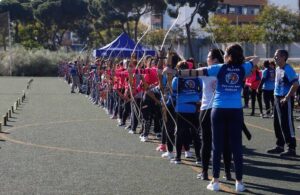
<point x="10" y="44"/>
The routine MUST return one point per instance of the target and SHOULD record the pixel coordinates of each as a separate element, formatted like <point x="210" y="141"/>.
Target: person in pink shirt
<point x="253" y="82"/>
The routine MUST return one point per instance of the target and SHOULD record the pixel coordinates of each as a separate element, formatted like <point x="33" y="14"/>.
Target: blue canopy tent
<point x="122" y="47"/>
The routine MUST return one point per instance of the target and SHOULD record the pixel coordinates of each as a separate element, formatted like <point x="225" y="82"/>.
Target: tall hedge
<point x="39" y="62"/>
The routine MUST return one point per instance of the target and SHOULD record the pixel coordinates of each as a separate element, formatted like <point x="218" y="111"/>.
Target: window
<point x="235" y="10"/>
<point x="253" y="10"/>
<point x="245" y="11"/>
<point x="231" y="10"/>
<point x="222" y="9"/>
<point x="238" y="10"/>
<point x="156" y="26"/>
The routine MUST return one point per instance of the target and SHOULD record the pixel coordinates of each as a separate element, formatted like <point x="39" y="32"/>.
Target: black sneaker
<point x="175" y="161"/>
<point x="203" y="176"/>
<point x="288" y="153"/>
<point x="276" y="150"/>
<point x="121" y="124"/>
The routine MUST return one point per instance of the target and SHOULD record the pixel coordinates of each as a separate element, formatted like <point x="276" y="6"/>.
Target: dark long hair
<point x="236" y="53"/>
<point x="266" y="64"/>
<point x="175" y="59"/>
<point x="217" y="54"/>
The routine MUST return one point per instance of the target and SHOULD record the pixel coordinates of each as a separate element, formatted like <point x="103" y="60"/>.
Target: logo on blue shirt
<point x="232" y="78"/>
<point x="190" y="84"/>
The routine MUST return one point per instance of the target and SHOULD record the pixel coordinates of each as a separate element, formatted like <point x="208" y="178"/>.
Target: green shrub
<point x="37" y="62"/>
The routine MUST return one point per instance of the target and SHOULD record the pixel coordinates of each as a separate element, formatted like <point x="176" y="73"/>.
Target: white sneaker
<point x="141" y="136"/>
<point x="168" y="155"/>
<point x="213" y="186"/>
<point x="131" y="132"/>
<point x="144" y="139"/>
<point x="239" y="187"/>
<point x="176" y="162"/>
<point x="113" y="117"/>
<point x="188" y="154"/>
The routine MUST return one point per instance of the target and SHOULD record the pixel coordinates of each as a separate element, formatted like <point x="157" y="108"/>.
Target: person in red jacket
<point x="253" y="82"/>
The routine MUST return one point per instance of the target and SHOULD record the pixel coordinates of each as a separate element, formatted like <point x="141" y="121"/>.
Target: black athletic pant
<point x="206" y="140"/>
<point x="135" y="113"/>
<point x="169" y="127"/>
<point x="121" y="107"/>
<point x="255" y="95"/>
<point x="246" y="95"/>
<point x="268" y="96"/>
<point x="283" y="123"/>
<point x="117" y="103"/>
<point x="187" y="130"/>
<point x="126" y="112"/>
<point x="157" y="118"/>
<point x="227" y="125"/>
<point x="163" y="134"/>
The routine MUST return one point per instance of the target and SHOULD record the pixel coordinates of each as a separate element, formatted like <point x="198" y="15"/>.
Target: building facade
<point x="240" y="11"/>
<point x="237" y="11"/>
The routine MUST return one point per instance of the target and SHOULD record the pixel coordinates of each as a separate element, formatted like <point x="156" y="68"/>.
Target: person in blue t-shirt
<point x="227" y="111"/>
<point x="215" y="56"/>
<point x="75" y="77"/>
<point x="187" y="93"/>
<point x="286" y="84"/>
<point x="267" y="86"/>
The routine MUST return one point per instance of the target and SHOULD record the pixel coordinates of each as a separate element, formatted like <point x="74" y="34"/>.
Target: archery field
<point x="59" y="143"/>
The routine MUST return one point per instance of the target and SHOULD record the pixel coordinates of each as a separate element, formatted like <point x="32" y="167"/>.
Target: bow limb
<point x="113" y="51"/>
<point x="131" y="75"/>
<point x="144" y="34"/>
<point x="163" y="43"/>
<point x="160" y="74"/>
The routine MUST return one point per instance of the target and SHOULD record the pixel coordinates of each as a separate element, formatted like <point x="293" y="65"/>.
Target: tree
<point x="31" y="35"/>
<point x="154" y="38"/>
<point x="20" y="11"/>
<point x="201" y="8"/>
<point x="59" y="16"/>
<point x="124" y="13"/>
<point x="4" y="28"/>
<point x="220" y="29"/>
<point x="281" y="26"/>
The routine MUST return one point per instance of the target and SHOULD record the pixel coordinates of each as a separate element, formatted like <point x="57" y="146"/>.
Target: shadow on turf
<point x="251" y="152"/>
<point x="256" y="168"/>
<point x="275" y="190"/>
<point x="8" y="125"/>
<point x="2" y="132"/>
<point x="253" y="186"/>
